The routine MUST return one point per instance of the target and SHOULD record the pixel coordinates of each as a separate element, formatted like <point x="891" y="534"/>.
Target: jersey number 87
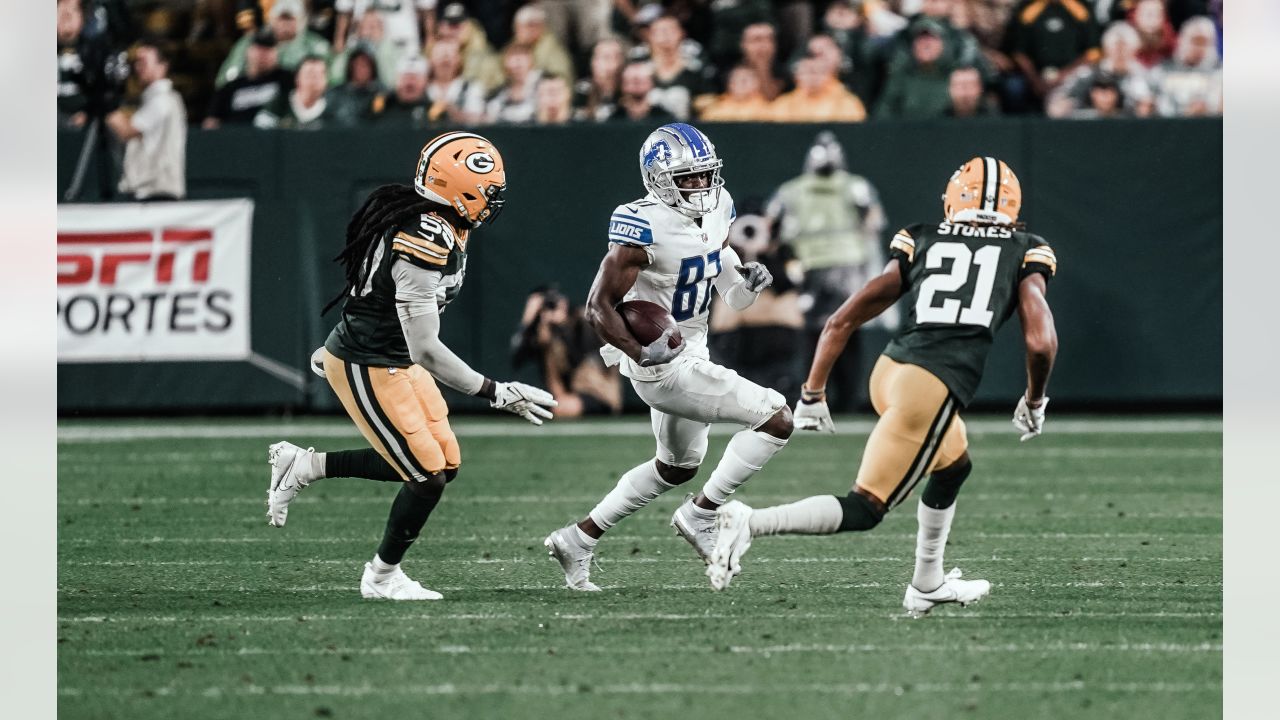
<point x="693" y="272"/>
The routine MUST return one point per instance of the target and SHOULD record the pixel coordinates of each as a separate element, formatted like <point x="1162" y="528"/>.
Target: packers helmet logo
<point x="480" y="162"/>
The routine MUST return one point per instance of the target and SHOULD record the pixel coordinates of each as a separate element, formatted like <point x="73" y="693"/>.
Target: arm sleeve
<point x="420" y="320"/>
<point x="730" y="284"/>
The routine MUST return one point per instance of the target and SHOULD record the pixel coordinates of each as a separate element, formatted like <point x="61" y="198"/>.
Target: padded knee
<point x="859" y="512"/>
<point x="673" y="475"/>
<point x="430" y="489"/>
<point x="450" y="474"/>
<point x="944" y="485"/>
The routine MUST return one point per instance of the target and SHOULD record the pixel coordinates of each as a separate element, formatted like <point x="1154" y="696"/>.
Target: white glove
<point x="755" y="276"/>
<point x="657" y="352"/>
<point x="814" y="416"/>
<point x="317" y="361"/>
<point x="1028" y="420"/>
<point x="527" y="401"/>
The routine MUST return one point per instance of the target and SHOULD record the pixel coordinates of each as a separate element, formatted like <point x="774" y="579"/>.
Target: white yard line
<point x="697" y="689"/>
<point x="606" y="560"/>
<point x="621" y="649"/>
<point x="107" y="431"/>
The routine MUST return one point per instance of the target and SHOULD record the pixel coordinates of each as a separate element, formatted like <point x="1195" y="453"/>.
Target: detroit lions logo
<point x="660" y="151"/>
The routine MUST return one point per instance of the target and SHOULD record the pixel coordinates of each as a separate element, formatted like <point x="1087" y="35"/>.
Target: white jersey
<point x="684" y="262"/>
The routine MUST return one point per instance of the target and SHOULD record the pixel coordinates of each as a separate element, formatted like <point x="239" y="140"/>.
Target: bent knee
<point x="673" y="475"/>
<point x="860" y="512"/>
<point x="431" y="486"/>
<point x="780" y="425"/>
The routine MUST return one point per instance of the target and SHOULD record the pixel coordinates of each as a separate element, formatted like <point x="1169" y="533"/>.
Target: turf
<point x="176" y="600"/>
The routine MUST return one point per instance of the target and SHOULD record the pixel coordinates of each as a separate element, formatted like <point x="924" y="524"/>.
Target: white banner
<point x="154" y="281"/>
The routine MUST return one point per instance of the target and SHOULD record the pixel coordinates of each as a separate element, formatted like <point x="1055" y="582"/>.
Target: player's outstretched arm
<point x="1041" y="339"/>
<point x="863" y="306"/>
<point x="618" y="272"/>
<point x="741" y="287"/>
<point x="420" y="322"/>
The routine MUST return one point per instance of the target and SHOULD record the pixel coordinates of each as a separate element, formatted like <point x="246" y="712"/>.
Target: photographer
<point x="567" y="351"/>
<point x="155" y="135"/>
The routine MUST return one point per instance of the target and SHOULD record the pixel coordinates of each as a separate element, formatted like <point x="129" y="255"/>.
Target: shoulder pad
<point x="629" y="226"/>
<point x="429" y="242"/>
<point x="904" y="241"/>
<point x="1040" y="253"/>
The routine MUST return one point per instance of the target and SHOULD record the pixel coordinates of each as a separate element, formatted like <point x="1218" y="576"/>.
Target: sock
<point x="365" y="463"/>
<point x="380" y="567"/>
<point x="931" y="540"/>
<point x="636" y="488"/>
<point x="584" y="539"/>
<point x="746" y="454"/>
<point x="817" y="515"/>
<point x="409" y="512"/>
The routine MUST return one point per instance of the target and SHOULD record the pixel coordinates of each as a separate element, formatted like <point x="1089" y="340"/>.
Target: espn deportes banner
<point x="154" y="281"/>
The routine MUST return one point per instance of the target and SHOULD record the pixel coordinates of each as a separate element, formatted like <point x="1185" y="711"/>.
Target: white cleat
<point x="952" y="590"/>
<point x="290" y="472"/>
<point x="394" y="585"/>
<point x="733" y="539"/>
<point x="699" y="532"/>
<point x="574" y="559"/>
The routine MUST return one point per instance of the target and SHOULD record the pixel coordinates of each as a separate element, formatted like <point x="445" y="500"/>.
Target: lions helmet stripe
<point x="991" y="181"/>
<point x="691" y="136"/>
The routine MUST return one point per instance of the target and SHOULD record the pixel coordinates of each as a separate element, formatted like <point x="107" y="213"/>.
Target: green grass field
<point x="1102" y="539"/>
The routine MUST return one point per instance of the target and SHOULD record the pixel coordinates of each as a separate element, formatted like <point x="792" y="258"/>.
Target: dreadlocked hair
<point x="385" y="208"/>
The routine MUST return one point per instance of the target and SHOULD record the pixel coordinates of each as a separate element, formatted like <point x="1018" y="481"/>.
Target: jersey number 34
<point x="978" y="311"/>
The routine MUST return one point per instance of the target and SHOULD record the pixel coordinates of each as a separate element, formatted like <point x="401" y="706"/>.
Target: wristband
<point x="808" y="396"/>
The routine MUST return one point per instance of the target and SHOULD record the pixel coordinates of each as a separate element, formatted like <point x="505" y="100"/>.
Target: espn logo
<point x="97" y="257"/>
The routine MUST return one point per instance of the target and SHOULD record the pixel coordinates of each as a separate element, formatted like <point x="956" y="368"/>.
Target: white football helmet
<point x="678" y="149"/>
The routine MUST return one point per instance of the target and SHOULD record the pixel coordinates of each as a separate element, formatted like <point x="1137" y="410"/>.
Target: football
<point x="647" y="321"/>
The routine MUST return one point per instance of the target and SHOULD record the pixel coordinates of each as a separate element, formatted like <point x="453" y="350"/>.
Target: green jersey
<point x="961" y="284"/>
<point x="369" y="333"/>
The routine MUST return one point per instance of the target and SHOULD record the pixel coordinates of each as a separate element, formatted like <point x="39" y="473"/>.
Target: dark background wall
<point x="1132" y="208"/>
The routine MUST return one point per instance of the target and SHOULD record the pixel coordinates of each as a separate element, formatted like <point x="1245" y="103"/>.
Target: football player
<point x="961" y="278"/>
<point x="671" y="248"/>
<point x="405" y="258"/>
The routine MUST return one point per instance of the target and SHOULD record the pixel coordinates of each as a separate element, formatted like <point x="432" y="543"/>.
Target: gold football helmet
<point x="983" y="190"/>
<point x="464" y="171"/>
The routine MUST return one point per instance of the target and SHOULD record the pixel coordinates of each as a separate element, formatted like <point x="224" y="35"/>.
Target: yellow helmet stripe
<point x="990" y="183"/>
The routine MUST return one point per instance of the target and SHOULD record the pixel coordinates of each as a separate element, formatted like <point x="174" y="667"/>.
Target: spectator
<point x="642" y="27"/>
<point x="988" y="21"/>
<point x="1119" y="60"/>
<point x="844" y="24"/>
<point x="370" y="38"/>
<point x="407" y="106"/>
<point x="960" y="46"/>
<point x="261" y="83"/>
<point x="596" y="97"/>
<point x="831" y="219"/>
<point x="729" y="20"/>
<point x="566" y="350"/>
<point x="549" y="56"/>
<point x="554" y="103"/>
<point x="294" y="42"/>
<point x="76" y="64"/>
<point x="588" y="20"/>
<point x="1104" y="100"/>
<point x="479" y="62"/>
<point x="1051" y="38"/>
<point x="305" y="108"/>
<point x="760" y="54"/>
<point x="677" y="79"/>
<point x="351" y="102"/>
<point x="406" y="22"/>
<point x="516" y="100"/>
<point x="742" y="102"/>
<point x="155" y="136"/>
<point x="824" y="49"/>
<point x="452" y="96"/>
<point x="919" y="87"/>
<point x="818" y="97"/>
<point x="634" y="103"/>
<point x="1156" y="39"/>
<point x="964" y="88"/>
<point x="1191" y="82"/>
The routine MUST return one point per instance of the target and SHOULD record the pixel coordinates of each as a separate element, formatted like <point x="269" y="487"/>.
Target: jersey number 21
<point x="949" y="312"/>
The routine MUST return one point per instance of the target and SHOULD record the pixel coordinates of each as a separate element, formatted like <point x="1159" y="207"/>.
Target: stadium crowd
<point x="301" y="65"/>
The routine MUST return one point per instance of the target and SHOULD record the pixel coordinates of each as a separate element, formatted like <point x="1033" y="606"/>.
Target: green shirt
<point x="823" y="218"/>
<point x="961" y="284"/>
<point x="368" y="332"/>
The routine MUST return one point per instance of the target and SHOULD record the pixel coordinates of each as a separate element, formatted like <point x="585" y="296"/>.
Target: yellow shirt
<point x="728" y="109"/>
<point x="834" y="103"/>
